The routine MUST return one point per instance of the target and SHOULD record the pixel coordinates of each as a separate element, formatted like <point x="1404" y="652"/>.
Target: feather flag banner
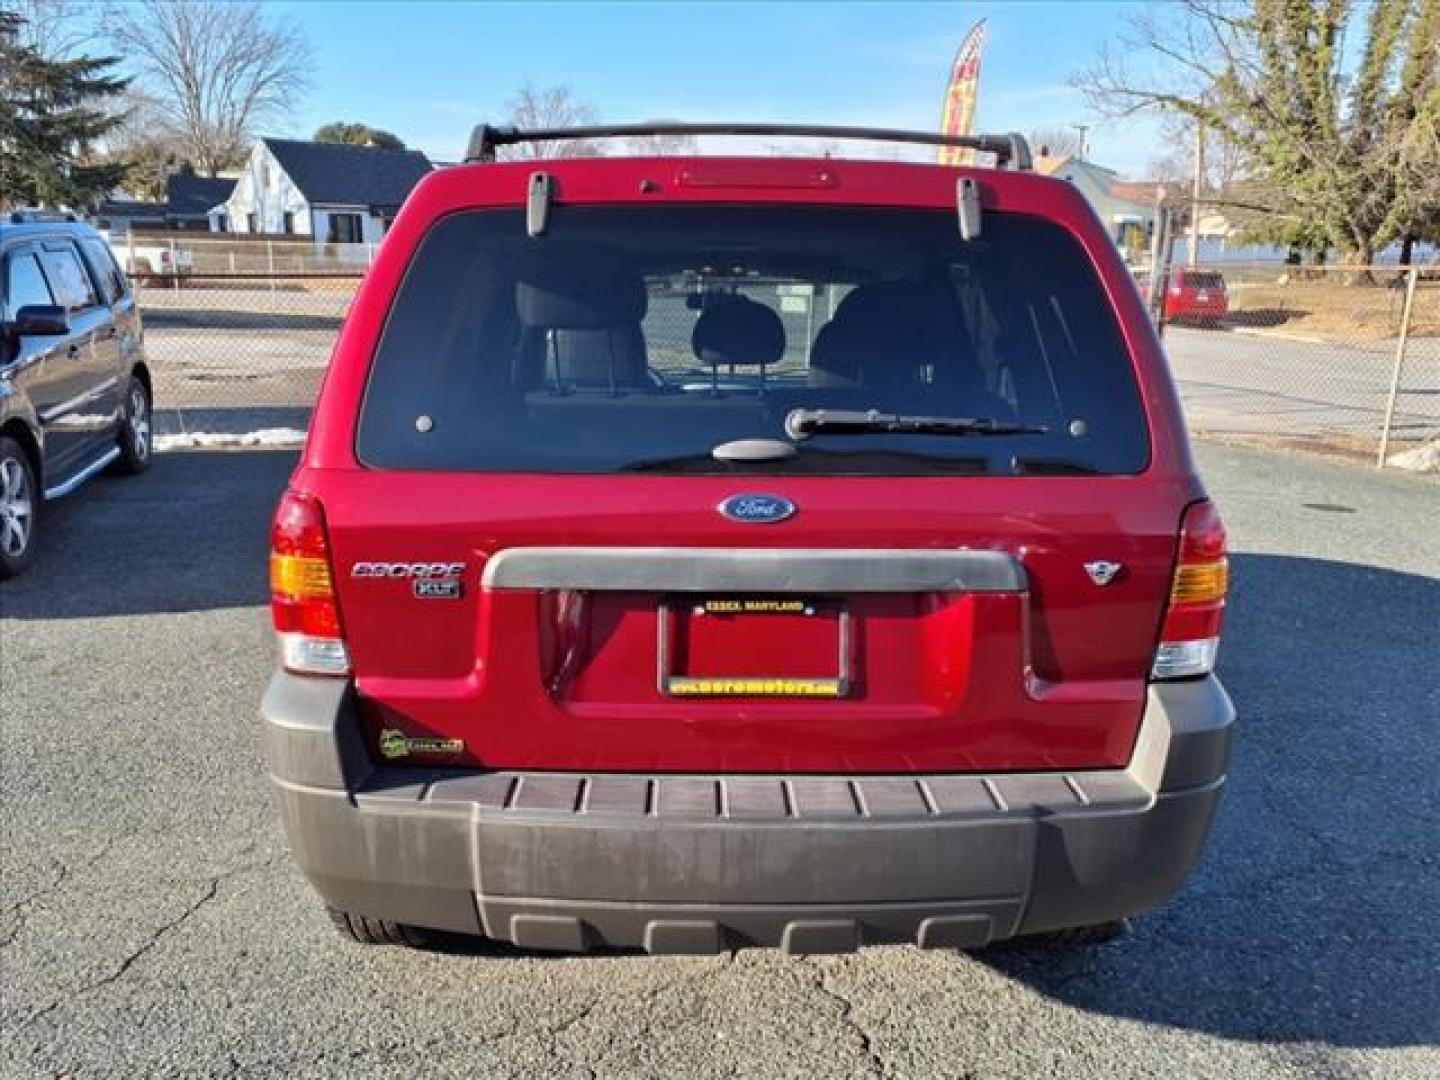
<point x="960" y="96"/>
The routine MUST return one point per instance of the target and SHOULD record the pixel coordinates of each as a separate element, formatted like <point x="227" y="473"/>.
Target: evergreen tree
<point x="358" y="135"/>
<point x="49" y="122"/>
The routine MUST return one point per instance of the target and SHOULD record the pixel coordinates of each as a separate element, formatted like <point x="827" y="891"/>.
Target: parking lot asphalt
<point x="151" y="923"/>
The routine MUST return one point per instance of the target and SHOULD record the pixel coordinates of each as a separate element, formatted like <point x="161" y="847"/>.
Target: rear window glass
<point x="1203" y="279"/>
<point x="631" y="339"/>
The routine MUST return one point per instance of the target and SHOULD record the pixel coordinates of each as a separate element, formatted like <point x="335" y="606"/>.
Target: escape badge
<point x="396" y="744"/>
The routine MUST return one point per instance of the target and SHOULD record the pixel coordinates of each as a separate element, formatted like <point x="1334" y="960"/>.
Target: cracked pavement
<point x="151" y="922"/>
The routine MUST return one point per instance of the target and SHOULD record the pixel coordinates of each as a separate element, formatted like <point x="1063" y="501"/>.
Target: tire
<point x="1076" y="937"/>
<point x="20" y="499"/>
<point x="136" y="436"/>
<point x="370" y="931"/>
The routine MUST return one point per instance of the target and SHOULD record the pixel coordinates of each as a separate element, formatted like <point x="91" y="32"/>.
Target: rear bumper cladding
<point x="760" y="570"/>
<point x="675" y="863"/>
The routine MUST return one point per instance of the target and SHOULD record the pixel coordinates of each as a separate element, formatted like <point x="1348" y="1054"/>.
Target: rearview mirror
<point x="41" y="320"/>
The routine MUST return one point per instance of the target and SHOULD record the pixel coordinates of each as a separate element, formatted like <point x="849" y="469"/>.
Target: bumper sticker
<point x="396" y="744"/>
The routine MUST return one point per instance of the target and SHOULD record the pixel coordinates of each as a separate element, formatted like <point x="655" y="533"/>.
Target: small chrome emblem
<point x="757" y="509"/>
<point x="1102" y="571"/>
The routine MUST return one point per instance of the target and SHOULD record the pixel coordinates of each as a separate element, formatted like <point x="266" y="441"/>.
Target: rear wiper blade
<point x="802" y="423"/>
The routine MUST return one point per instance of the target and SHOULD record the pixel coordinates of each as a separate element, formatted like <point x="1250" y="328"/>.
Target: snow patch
<point x="1422" y="458"/>
<point x="209" y="440"/>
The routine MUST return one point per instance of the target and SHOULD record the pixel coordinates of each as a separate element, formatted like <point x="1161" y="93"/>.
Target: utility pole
<point x="1082" y="128"/>
<point x="1160" y="250"/>
<point x="1193" y="255"/>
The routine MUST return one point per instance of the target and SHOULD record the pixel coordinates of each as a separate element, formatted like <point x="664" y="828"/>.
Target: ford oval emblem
<point x="757" y="509"/>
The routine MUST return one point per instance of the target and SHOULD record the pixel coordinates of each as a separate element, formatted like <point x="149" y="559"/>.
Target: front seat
<point x="738" y="332"/>
<point x="612" y="359"/>
<point x="586" y="308"/>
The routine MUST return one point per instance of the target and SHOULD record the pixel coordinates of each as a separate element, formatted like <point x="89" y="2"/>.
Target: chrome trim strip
<point x="758" y="570"/>
<point x="77" y="400"/>
<point x="61" y="490"/>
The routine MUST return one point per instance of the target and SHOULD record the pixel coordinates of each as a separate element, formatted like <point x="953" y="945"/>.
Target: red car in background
<point x="1196" y="296"/>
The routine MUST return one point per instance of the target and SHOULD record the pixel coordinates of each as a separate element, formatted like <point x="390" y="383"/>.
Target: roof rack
<point x="35" y="217"/>
<point x="1009" y="148"/>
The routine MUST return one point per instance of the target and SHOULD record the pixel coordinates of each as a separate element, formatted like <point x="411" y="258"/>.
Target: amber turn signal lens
<point x="1200" y="583"/>
<point x="299" y="577"/>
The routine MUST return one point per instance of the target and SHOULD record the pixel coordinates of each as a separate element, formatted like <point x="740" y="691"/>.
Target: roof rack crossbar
<point x="1009" y="148"/>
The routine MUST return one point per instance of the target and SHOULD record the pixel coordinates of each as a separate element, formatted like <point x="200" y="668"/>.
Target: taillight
<point x="302" y="592"/>
<point x="1190" y="635"/>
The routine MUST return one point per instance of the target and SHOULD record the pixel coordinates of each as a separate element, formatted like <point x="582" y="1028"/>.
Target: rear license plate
<point x="753" y="646"/>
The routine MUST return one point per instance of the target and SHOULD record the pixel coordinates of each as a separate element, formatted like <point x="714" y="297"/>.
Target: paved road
<point x="1244" y="384"/>
<point x="151" y="924"/>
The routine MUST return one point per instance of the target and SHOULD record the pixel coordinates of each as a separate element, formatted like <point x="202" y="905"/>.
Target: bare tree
<point x="1056" y="141"/>
<point x="1224" y="162"/>
<point x="661" y="145"/>
<point x="55" y="29"/>
<point x="550" y="107"/>
<point x="149" y="148"/>
<point x="217" y="71"/>
<point x="1334" y="134"/>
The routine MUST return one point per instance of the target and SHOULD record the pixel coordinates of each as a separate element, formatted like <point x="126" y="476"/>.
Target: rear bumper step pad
<point x="699" y="864"/>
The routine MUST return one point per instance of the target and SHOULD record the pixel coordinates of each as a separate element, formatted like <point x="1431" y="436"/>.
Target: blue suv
<point x="75" y="391"/>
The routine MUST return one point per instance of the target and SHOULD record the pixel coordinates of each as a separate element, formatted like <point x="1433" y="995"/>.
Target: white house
<point x="336" y="193"/>
<point x="1128" y="210"/>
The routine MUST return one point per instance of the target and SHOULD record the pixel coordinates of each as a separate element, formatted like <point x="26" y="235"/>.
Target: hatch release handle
<point x="967" y="203"/>
<point x="538" y="202"/>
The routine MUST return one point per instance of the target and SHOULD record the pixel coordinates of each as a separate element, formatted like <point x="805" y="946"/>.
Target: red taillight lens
<point x="302" y="593"/>
<point x="1190" y="635"/>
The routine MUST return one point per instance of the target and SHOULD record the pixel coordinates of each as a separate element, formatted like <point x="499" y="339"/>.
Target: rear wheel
<point x="370" y="931"/>
<point x="135" y="437"/>
<point x="19" y="508"/>
<point x="1076" y="937"/>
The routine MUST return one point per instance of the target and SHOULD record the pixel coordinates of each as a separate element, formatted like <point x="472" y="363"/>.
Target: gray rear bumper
<point x="702" y="863"/>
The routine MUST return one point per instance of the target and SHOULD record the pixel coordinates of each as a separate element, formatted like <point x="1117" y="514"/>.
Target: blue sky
<point x="429" y="71"/>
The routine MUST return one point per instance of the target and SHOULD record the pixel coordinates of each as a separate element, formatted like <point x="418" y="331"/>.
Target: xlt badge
<point x="436" y="588"/>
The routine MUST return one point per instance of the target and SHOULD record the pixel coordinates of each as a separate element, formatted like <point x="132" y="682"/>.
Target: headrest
<point x="738" y="331"/>
<point x="579" y="290"/>
<point x="872" y="301"/>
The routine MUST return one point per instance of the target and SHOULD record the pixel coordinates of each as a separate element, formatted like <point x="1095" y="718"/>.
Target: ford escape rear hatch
<point x="752" y="488"/>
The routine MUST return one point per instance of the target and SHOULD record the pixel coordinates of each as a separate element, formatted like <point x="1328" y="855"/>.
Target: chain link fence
<point x="1337" y="360"/>
<point x="239" y="356"/>
<point x="1340" y="360"/>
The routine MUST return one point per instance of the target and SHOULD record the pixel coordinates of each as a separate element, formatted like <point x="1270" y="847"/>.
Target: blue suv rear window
<point x="641" y="338"/>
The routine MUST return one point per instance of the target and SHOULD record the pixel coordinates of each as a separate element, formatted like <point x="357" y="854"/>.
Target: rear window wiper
<point x="802" y="423"/>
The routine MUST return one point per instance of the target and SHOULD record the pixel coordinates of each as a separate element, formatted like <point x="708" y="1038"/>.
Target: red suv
<point x="700" y="552"/>
<point x="1197" y="296"/>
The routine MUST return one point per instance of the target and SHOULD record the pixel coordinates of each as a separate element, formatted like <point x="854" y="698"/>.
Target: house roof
<point x="338" y="173"/>
<point x="131" y="208"/>
<point x="1050" y="164"/>
<point x="193" y="196"/>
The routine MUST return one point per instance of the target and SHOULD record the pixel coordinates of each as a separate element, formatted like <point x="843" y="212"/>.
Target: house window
<point x="345" y="229"/>
<point x="252" y="222"/>
<point x="287" y="225"/>
<point x="222" y="223"/>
